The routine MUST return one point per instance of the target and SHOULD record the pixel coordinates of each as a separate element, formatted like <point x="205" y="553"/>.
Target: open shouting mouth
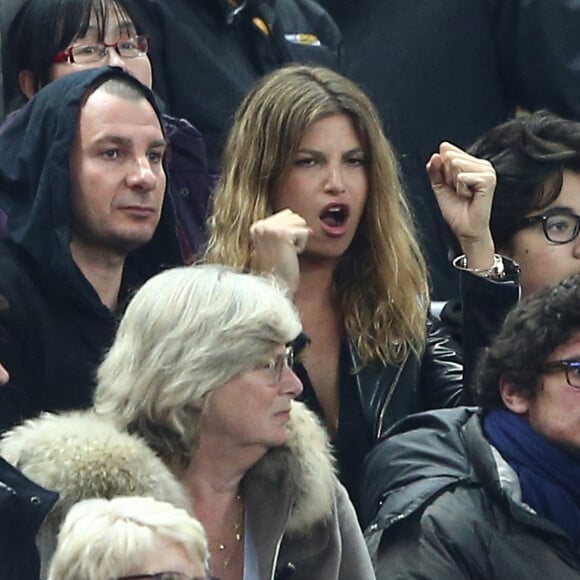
<point x="334" y="219"/>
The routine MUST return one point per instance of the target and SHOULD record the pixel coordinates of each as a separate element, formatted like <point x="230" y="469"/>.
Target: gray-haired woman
<point x="201" y="369"/>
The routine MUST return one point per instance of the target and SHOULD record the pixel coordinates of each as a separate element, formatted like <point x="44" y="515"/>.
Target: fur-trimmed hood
<point x="302" y="515"/>
<point x="81" y="455"/>
<point x="305" y="464"/>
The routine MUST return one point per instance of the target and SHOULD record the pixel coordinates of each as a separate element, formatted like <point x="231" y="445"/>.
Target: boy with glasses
<point x="490" y="492"/>
<point x="529" y="216"/>
<point x="532" y="217"/>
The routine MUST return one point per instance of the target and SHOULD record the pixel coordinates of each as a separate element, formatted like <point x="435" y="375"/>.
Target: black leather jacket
<point x="376" y="396"/>
<point x="435" y="380"/>
<point x="389" y="393"/>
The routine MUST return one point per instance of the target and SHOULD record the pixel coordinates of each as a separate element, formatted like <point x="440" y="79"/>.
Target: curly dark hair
<point x="530" y="154"/>
<point x="531" y="332"/>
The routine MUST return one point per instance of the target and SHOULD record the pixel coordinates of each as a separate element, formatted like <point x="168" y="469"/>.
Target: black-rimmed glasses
<point x="570" y="366"/>
<point x="560" y="227"/>
<point x="94" y="52"/>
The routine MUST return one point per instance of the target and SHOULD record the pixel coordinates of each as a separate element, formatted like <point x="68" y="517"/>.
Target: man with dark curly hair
<point x="490" y="492"/>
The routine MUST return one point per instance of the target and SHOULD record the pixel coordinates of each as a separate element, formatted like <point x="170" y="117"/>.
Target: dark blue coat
<point x="23" y="507"/>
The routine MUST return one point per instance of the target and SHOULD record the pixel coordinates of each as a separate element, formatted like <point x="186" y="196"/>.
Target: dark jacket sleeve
<point x="485" y="306"/>
<point x="23" y="506"/>
<point x="539" y="53"/>
<point x="426" y="516"/>
<point x="18" y="357"/>
<point x="441" y="368"/>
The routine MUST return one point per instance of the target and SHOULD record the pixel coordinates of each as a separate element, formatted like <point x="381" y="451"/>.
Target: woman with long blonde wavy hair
<point x="310" y="190"/>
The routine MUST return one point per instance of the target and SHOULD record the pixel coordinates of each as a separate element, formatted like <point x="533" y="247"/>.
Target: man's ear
<point x="27" y="83"/>
<point x="513" y="398"/>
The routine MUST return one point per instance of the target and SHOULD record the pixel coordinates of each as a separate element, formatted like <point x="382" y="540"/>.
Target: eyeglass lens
<point x="127" y="48"/>
<point x="573" y="374"/>
<point x="571" y="369"/>
<point x="283" y="360"/>
<point x="561" y="228"/>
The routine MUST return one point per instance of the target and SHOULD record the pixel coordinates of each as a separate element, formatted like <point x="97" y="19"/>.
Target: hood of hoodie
<point x="35" y="188"/>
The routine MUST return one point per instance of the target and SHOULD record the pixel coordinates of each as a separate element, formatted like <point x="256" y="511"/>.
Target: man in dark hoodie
<point x="83" y="185"/>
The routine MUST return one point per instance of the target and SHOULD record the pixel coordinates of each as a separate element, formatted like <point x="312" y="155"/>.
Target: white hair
<point x="102" y="539"/>
<point x="186" y="332"/>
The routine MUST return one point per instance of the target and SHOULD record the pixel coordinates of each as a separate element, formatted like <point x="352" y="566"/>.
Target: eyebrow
<point x="317" y="152"/>
<point x="123" y="26"/>
<point x="118" y="140"/>
<point x="559" y="209"/>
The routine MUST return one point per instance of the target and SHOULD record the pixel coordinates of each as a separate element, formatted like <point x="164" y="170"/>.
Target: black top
<point x="354" y="438"/>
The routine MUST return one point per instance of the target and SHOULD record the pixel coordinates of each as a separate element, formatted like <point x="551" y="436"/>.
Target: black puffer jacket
<point x="443" y="505"/>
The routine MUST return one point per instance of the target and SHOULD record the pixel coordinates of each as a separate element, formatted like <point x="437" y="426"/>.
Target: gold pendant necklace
<point x="238" y="530"/>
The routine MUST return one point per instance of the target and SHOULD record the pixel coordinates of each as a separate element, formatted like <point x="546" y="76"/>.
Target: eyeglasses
<point x="571" y="368"/>
<point x="167" y="576"/>
<point x="86" y="53"/>
<point x="560" y="227"/>
<point x="276" y="365"/>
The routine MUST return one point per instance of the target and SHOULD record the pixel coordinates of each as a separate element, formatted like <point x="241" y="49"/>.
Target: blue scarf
<point x="549" y="477"/>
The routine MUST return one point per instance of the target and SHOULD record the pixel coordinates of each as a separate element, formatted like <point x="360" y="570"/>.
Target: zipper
<point x="275" y="560"/>
<point x="388" y="398"/>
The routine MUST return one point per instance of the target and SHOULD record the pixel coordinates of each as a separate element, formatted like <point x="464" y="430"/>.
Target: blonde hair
<point x="186" y="332"/>
<point x="102" y="539"/>
<point x="381" y="281"/>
